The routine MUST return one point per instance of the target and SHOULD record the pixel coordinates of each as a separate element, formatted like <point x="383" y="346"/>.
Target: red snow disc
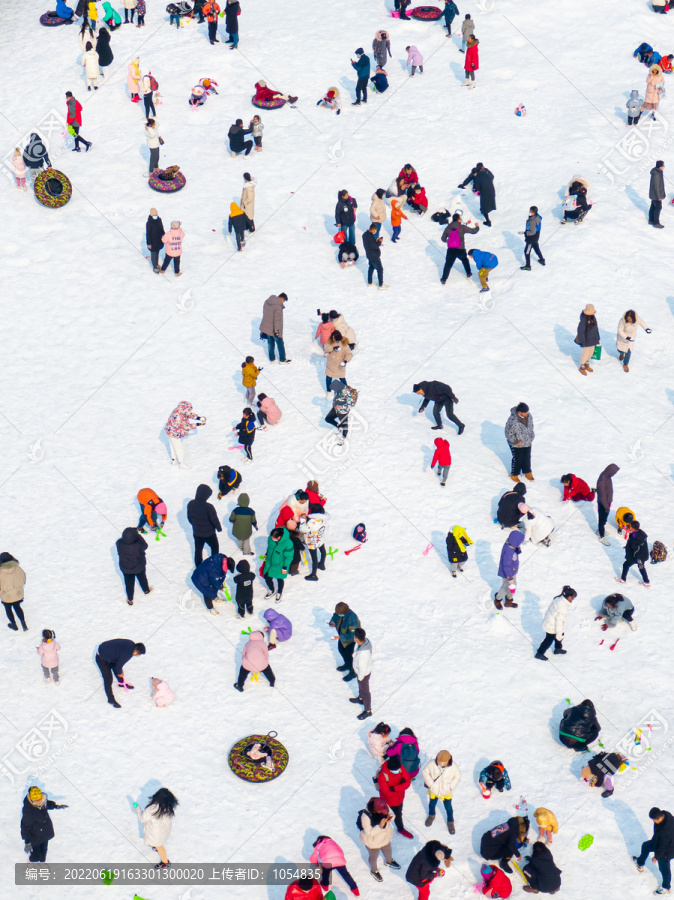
<point x="426" y="12"/>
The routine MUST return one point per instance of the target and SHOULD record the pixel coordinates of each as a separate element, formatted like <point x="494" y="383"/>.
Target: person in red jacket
<point x="304" y="889"/>
<point x="211" y="10"/>
<point x="472" y="62"/>
<point x="496" y="882"/>
<point x="442" y="458"/>
<point x="408" y="175"/>
<point x="418" y="200"/>
<point x="392" y="781"/>
<point x="316" y="500"/>
<point x="74" y="119"/>
<point x="576" y="489"/>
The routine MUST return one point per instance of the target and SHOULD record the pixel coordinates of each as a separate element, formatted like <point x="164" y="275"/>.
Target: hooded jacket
<point x="512" y="506"/>
<point x="456" y="541"/>
<point x="36" y="824"/>
<point x="313" y="530"/>
<point x="510" y="561"/>
<point x="463" y="231"/>
<point x="12" y="580"/>
<point x="406" y="748"/>
<point x="497" y="773"/>
<point x="381" y="48"/>
<point x="372" y="834"/>
<point x="279" y="556"/>
<point x="392" y="785"/>
<point x="614" y="614"/>
<point x="246" y="430"/>
<point x="657" y="186"/>
<point x="255" y="656"/>
<point x="497" y="884"/>
<point x="342" y="326"/>
<point x="209" y="575"/>
<point x="328" y="853"/>
<point x="467" y="27"/>
<point x="90" y="63"/>
<point x="336" y="354"/>
<point x="397" y="215"/>
<point x="345" y="626"/>
<point x="577" y="490"/>
<point x="538" y="528"/>
<point x="116" y="653"/>
<point x="543" y="874"/>
<point x="377" y="209"/>
<point x="163" y="695"/>
<point x="270" y="409"/>
<point x="103" y="48"/>
<point x="587" y="335"/>
<point x="501" y="842"/>
<point x="484" y="260"/>
<point x="518" y="430"/>
<point x="663" y="836"/>
<point x="371" y="245"/>
<point x="362" y="65"/>
<point x="579" y="726"/>
<point x="414" y="56"/>
<point x="636" y="548"/>
<point x="441" y="781"/>
<point x="362" y="659"/>
<point x="272" y="316"/>
<point x="154" y="232"/>
<point x="627" y="333"/>
<point x="554" y="620"/>
<point x="425" y="865"/>
<point x="35" y="155"/>
<point x="472" y="64"/>
<point x="546" y="819"/>
<point x="131" y="548"/>
<point x="282" y="626"/>
<point x="442" y="456"/>
<point x="244" y="519"/>
<point x="149" y="500"/>
<point x="238" y="220"/>
<point x="74" y="114"/>
<point x="295" y="892"/>
<point x="532" y="227"/>
<point x="48" y="651"/>
<point x="232" y="11"/>
<point x="202" y="515"/>
<point x="247" y="202"/>
<point x="435" y="392"/>
<point x="605" y="485"/>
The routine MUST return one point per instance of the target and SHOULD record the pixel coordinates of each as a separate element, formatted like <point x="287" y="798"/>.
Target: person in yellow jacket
<point x="624" y="516"/>
<point x="457" y="541"/>
<point x="93" y="13"/>
<point x="249" y="373"/>
<point x="547" y="823"/>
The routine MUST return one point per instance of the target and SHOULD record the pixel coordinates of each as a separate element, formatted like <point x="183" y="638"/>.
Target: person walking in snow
<point x="246" y="432"/>
<point x="131" y="549"/>
<point x="616" y="608"/>
<point x="372" y="247"/>
<point x="507" y="570"/>
<point x="271" y="327"/>
<point x="655" y="88"/>
<point x="157" y="819"/>
<point x="471" y="65"/>
<point x="255" y="659"/>
<point x="381" y="48"/>
<point x="414" y="59"/>
<point x="209" y="578"/>
<point x="448" y="14"/>
<point x="519" y="432"/>
<point x="454" y="236"/>
<point x="204" y="521"/>
<point x="441" y="776"/>
<point x="605" y="499"/>
<point x="483" y="184"/>
<point x="277" y="562"/>
<point x="37" y="828"/>
<point x="636" y="552"/>
<point x="554" y="622"/>
<point x="74" y="120"/>
<point x="12" y="580"/>
<point x="656" y="192"/>
<point x="393" y="781"/>
<point x="532" y="234"/>
<point x="661" y="845"/>
<point x="244" y="520"/>
<point x="48" y="651"/>
<point x="154" y="232"/>
<point x="91" y="67"/>
<point x="442" y="458"/>
<point x="634" y="106"/>
<point x="362" y="67"/>
<point x="345" y="398"/>
<point x="362" y="666"/>
<point x="173" y="245"/>
<point x="239" y="223"/>
<point x="587" y="337"/>
<point x="247" y="202"/>
<point x="442" y="397"/>
<point x="627" y="335"/>
<point x="485" y="262"/>
<point x="376" y="832"/>
<point x="467" y="29"/>
<point x="329" y="855"/>
<point x="457" y="542"/>
<point x="337" y="355"/>
<point x="111" y="657"/>
<point x="494" y="775"/>
<point x="345" y="621"/>
<point x="425" y="867"/>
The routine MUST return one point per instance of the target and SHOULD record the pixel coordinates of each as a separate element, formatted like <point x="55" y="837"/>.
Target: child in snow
<point x="397" y="215"/>
<point x="331" y="100"/>
<point x="634" y="106"/>
<point x="49" y="658"/>
<point x="457" y="541"/>
<point x="380" y="80"/>
<point x="511" y="507"/>
<point x="280" y="629"/>
<point x="378" y="740"/>
<point x="623" y="516"/>
<point x="495" y="882"/>
<point x="249" y="377"/>
<point x="260" y="754"/>
<point x="246" y="431"/>
<point x="256" y="129"/>
<point x="347" y="255"/>
<point x="239" y="223"/>
<point x="19" y="169"/>
<point x="576" y="204"/>
<point x="269" y="411"/>
<point x="641" y="52"/>
<point x="636" y="552"/>
<point x="442" y="458"/>
<point x="415" y="59"/>
<point x="467" y="29"/>
<point x="244" y="581"/>
<point x="331" y="856"/>
<point x="614" y="609"/>
<point x="324" y="330"/>
<point x="255" y="659"/>
<point x="576" y="489"/>
<point x="152" y="510"/>
<point x="666" y="63"/>
<point x="509" y="564"/>
<point x="228" y="480"/>
<point x="494" y="775"/>
<point x="418" y="200"/>
<point x="173" y="241"/>
<point x="627" y="335"/>
<point x="485" y="263"/>
<point x="597" y="773"/>
<point x="178" y="427"/>
<point x="244" y="520"/>
<point x="406" y="749"/>
<point x="547" y="823"/>
<point x="141" y="9"/>
<point x="393" y="781"/>
<point x="538" y="527"/>
<point x="162" y="693"/>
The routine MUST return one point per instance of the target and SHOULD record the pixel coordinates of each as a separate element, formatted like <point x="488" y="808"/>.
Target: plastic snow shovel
<point x="524" y="877"/>
<point x="159" y="532"/>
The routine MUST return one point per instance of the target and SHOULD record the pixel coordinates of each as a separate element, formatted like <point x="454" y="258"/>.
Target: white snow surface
<point x="97" y="351"/>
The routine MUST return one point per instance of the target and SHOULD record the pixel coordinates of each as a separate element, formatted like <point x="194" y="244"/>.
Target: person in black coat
<point x="441" y="395"/>
<point x="154" y="232"/>
<point x="425" y="866"/>
<point x="636" y="551"/>
<point x="345" y="215"/>
<point x="348" y="254"/>
<point x="510" y="511"/>
<point x="36" y="824"/>
<point x="111" y="657"/>
<point x="198" y="10"/>
<point x="579" y="726"/>
<point x="131" y="549"/>
<point x="544" y="876"/>
<point x="204" y="521"/>
<point x="504" y="841"/>
<point x="236" y="136"/>
<point x="35" y="155"/>
<point x="246" y="432"/>
<point x="483" y="184"/>
<point x="239" y="223"/>
<point x="232" y="12"/>
<point x="103" y="48"/>
<point x="661" y="845"/>
<point x="209" y="577"/>
<point x="372" y="247"/>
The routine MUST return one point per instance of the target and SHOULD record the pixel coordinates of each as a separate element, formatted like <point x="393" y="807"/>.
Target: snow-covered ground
<point x="97" y="350"/>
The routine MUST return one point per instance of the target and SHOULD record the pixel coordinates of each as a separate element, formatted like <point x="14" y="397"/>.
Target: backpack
<point x="441" y="217"/>
<point x="154" y="86"/>
<point x="409" y="758"/>
<point x="454" y="239"/>
<point x="658" y="552"/>
<point x="360" y="533"/>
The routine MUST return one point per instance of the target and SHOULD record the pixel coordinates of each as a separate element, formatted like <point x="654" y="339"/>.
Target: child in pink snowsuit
<point x="162" y="693"/>
<point x="49" y="657"/>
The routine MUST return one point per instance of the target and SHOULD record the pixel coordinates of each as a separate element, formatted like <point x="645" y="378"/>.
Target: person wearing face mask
<point x="154" y="232"/>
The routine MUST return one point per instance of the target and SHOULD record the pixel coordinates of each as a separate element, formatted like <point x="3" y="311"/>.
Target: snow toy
<point x="107" y="876"/>
<point x="275" y="103"/>
<point x="521" y="110"/>
<point x="586" y="841"/>
<point x="167" y="181"/>
<point x="353" y="549"/>
<point x="53" y="189"/>
<point x="258" y="757"/>
<point x="199" y="95"/>
<point x="425" y="12"/>
<point x="524" y="877"/>
<point x="50" y="19"/>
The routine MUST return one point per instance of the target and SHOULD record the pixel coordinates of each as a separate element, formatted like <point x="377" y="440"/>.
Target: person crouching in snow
<point x="348" y="254"/>
<point x="547" y="823"/>
<point x="442" y="458"/>
<point x="540" y="869"/>
<point x="162" y="693"/>
<point x="614" y="609"/>
<point x="414" y="59"/>
<point x="504" y="841"/>
<point x="331" y="100"/>
<point x="495" y="883"/>
<point x="494" y="775"/>
<point x="209" y="578"/>
<point x="554" y="621"/>
<point x="280" y="628"/>
<point x="418" y="200"/>
<point x="472" y="61"/>
<point x="597" y="773"/>
<point x="507" y="570"/>
<point x="511" y="507"/>
<point x="538" y="527"/>
<point x="239" y="223"/>
<point x="255" y="659"/>
<point x="576" y="489"/>
<point x="330" y="856"/>
<point x="457" y="541"/>
<point x="380" y="80"/>
<point x="485" y="262"/>
<point x="269" y="413"/>
<point x="425" y="867"/>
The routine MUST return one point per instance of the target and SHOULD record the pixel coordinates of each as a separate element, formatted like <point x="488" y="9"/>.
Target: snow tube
<point x="425" y="12"/>
<point x="253" y="770"/>
<point x="276" y="103"/>
<point x="53" y="189"/>
<point x="166" y="186"/>
<point x="50" y="19"/>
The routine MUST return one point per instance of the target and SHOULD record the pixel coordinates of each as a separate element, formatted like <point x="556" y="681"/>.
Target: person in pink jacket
<point x="162" y="693"/>
<point x="331" y="856"/>
<point x="325" y="328"/>
<point x="49" y="657"/>
<point x="178" y="427"/>
<point x="173" y="241"/>
<point x="269" y="411"/>
<point x="414" y="58"/>
<point x="19" y="169"/>
<point x="255" y="659"/>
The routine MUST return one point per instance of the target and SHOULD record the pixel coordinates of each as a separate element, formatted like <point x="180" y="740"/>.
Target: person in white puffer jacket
<point x="627" y="335"/>
<point x="344" y="329"/>
<point x="441" y="777"/>
<point x="157" y="819"/>
<point x="538" y="527"/>
<point x="554" y="621"/>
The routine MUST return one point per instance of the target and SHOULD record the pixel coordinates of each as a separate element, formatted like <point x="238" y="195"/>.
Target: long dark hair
<point x="630" y="312"/>
<point x="165" y="802"/>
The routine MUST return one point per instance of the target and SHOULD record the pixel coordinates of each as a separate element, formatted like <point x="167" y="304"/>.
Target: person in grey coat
<point x="467" y="28"/>
<point x="614" y="609"/>
<point x="381" y="48"/>
<point x="271" y="327"/>
<point x="519" y="432"/>
<point x="532" y="233"/>
<point x="656" y="193"/>
<point x="634" y="105"/>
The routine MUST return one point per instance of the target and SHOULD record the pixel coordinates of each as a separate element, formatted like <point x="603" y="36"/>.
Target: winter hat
<point x="153" y="212"/>
<point x="34" y="794"/>
<point x="359" y="51"/>
<point x="262" y="83"/>
<point x="331" y="94"/>
<point x="393" y="762"/>
<point x="520" y="488"/>
<point x="486" y="870"/>
<point x="590" y="310"/>
<point x="380" y="806"/>
<point x="521" y="407"/>
<point x="234" y="209"/>
<point x="305" y="884"/>
<point x="243" y="566"/>
<point x="175" y="224"/>
<point x="443" y="758"/>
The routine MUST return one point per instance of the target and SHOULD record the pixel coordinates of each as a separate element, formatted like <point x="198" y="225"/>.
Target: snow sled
<point x="181" y="9"/>
<point x="50" y="19"/>
<point x="426" y="13"/>
<point x="258" y="770"/>
<point x="53" y="189"/>
<point x="275" y="103"/>
<point x="167" y="181"/>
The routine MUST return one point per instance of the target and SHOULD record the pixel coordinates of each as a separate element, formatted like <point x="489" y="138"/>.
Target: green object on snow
<point x="226" y="592"/>
<point x="586" y="841"/>
<point x="329" y="896"/>
<point x="331" y="554"/>
<point x="107" y="877"/>
<point x="568" y="701"/>
<point x="246" y="630"/>
<point x="136" y="897"/>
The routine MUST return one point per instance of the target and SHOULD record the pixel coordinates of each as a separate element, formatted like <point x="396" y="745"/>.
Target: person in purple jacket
<point x="406" y="748"/>
<point x="507" y="570"/>
<point x="280" y="628"/>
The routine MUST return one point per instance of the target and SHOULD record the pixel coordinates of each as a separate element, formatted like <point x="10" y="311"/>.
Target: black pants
<point x="547" y="642"/>
<point x="270" y="584"/>
<point x="167" y="263"/>
<point x="130" y="580"/>
<point x="340" y="422"/>
<point x="521" y="460"/>
<point x="346" y="652"/>
<point x="602" y="512"/>
<point x="244" y="673"/>
<point x="449" y="409"/>
<point x="106" y="672"/>
<point x="244" y="603"/>
<point x="248" y="448"/>
<point x="126" y="15"/>
<point x="452" y="255"/>
<point x="141" y="19"/>
<point x="314" y="554"/>
<point x="39" y="852"/>
<point x="154" y="158"/>
<point x="239" y="232"/>
<point x="11" y="608"/>
<point x="262" y="418"/>
<point x="529" y="245"/>
<point x="633" y="120"/>
<point x="665" y="865"/>
<point x="212" y="32"/>
<point x="640" y="565"/>
<point x="361" y="90"/>
<point x="654" y="212"/>
<point x="78" y="139"/>
<point x="148" y="100"/>
<point x="374" y="265"/>
<point x="211" y="540"/>
<point x="154" y="258"/>
<point x="398" y="817"/>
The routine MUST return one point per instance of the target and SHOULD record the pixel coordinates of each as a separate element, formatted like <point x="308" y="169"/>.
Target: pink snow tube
<point x="276" y="103"/>
<point x="425" y="12"/>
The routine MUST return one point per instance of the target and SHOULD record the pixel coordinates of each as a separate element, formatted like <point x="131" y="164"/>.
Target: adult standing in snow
<point x="661" y="845"/>
<point x="378" y="209"/>
<point x="425" y="867"/>
<point x="255" y="659"/>
<point x="636" y="551"/>
<point x="345" y="621"/>
<point x="376" y="832"/>
<point x="554" y="621"/>
<point x="204" y="521"/>
<point x="627" y="335"/>
<point x="337" y="355"/>
<point x="393" y="781"/>
<point x="483" y="184"/>
<point x="37" y="828"/>
<point x="148" y="96"/>
<point x="467" y="29"/>
<point x="362" y="666"/>
<point x="362" y="67"/>
<point x="454" y="236"/>
<point x="129" y="7"/>
<point x="271" y="327"/>
<point x="209" y="578"/>
<point x="381" y="48"/>
<point x="449" y="12"/>
<point x="532" y="233"/>
<point x="471" y="65"/>
<point x="111" y="657"/>
<point x="90" y="63"/>
<point x="587" y="336"/>
<point x="277" y="561"/>
<point x="504" y="841"/>
<point x="441" y="777"/>
<point x="329" y="855"/>
<point x="232" y="13"/>
<point x="372" y="247"/>
<point x="345" y="215"/>
<point x="344" y="400"/>
<point x="154" y="232"/>
<point x="340" y="324"/>
<point x="178" y="427"/>
<point x="173" y="245"/>
<point x="313" y="533"/>
<point x="540" y="869"/>
<point x="656" y="191"/>
<point x="519" y="432"/>
<point x="655" y="86"/>
<point x="605" y="499"/>
<point x="103" y="48"/>
<point x="12" y="580"/>
<point x="442" y="397"/>
<point x="508" y="567"/>
<point x="247" y="202"/>
<point x="131" y="549"/>
<point x="579" y="726"/>
<point x="211" y="11"/>
<point x="152" y="138"/>
<point x="157" y="819"/>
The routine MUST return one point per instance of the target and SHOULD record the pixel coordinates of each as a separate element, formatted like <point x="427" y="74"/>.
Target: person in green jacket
<point x="111" y="17"/>
<point x="244" y="520"/>
<point x="276" y="563"/>
<point x="345" y="621"/>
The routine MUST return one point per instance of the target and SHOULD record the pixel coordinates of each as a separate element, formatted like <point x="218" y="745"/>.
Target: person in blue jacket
<point x="362" y="67"/>
<point x="380" y="80"/>
<point x="642" y="50"/>
<point x="485" y="262"/>
<point x="209" y="577"/>
<point x="450" y="11"/>
<point x="652" y="58"/>
<point x="63" y="11"/>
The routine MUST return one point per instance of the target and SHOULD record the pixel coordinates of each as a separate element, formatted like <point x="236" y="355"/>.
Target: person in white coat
<point x="554" y="621"/>
<point x="378" y="210"/>
<point x="129" y="7"/>
<point x="538" y="527"/>
<point x="343" y="328"/>
<point x="90" y="63"/>
<point x="157" y="819"/>
<point x="362" y="666"/>
<point x="627" y="335"/>
<point x="441" y="777"/>
<point x="247" y="202"/>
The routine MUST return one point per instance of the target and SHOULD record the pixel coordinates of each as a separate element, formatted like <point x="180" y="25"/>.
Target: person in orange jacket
<point x="397" y="215"/>
<point x="304" y="889"/>
<point x="211" y="10"/>
<point x="152" y="510"/>
<point x="666" y="62"/>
